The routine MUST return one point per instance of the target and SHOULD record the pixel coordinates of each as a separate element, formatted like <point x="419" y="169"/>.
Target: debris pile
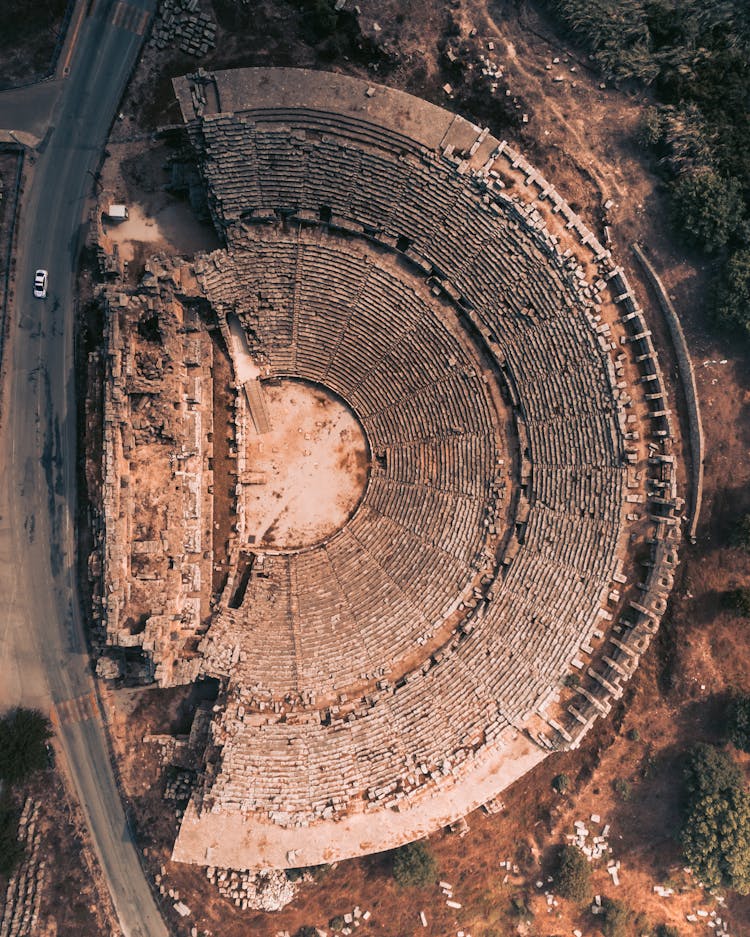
<point x="599" y="845"/>
<point x="345" y="924"/>
<point x="180" y="23"/>
<point x="268" y="890"/>
<point x="24" y="893"/>
<point x="179" y="785"/>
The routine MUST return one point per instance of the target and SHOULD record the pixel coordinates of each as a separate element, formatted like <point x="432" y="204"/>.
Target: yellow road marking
<point x="74" y="37"/>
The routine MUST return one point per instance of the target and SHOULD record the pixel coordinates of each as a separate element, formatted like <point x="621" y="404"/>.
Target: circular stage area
<point x="308" y="473"/>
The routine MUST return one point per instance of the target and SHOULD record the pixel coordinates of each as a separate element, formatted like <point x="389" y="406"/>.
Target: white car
<point x="40" y="284"/>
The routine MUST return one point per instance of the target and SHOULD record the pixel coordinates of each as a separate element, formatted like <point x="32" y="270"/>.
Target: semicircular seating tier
<point x="339" y="614"/>
<point x="351" y="608"/>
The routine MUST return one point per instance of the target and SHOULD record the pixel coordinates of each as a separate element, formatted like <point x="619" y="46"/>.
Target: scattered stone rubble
<point x="349" y="922"/>
<point x="24" y="893"/>
<point x="252" y="890"/>
<point x="599" y="846"/>
<point x="181" y="23"/>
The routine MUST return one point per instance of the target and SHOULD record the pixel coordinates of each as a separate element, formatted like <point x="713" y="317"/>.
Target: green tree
<point x="414" y="864"/>
<point x="23" y="737"/>
<point x="650" y="127"/>
<point x="623" y="788"/>
<point x="573" y="874"/>
<point x="737" y="724"/>
<point x="716" y="827"/>
<point x="707" y="207"/>
<point x="740" y="536"/>
<point x="739" y="601"/>
<point x="11" y="851"/>
<point x="732" y="306"/>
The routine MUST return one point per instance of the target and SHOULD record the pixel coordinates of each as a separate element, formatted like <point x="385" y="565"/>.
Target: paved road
<point x="41" y="637"/>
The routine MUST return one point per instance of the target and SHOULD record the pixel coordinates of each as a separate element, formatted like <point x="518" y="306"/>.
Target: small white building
<point x="117" y="213"/>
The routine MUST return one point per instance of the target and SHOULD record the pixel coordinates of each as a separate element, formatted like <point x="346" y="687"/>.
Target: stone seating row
<point x="548" y="602"/>
<point x="540" y="299"/>
<point x="445" y="464"/>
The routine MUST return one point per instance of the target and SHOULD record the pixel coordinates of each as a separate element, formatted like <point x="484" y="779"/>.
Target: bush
<point x="666" y="930"/>
<point x="11" y="851"/>
<point x="560" y="783"/>
<point x="519" y="908"/>
<point x="634" y="735"/>
<point x="650" y="128"/>
<point x="732" y="307"/>
<point x="573" y="876"/>
<point x="307" y="930"/>
<point x="322" y="18"/>
<point x="737" y="725"/>
<point x="740" y="536"/>
<point x="716" y="827"/>
<point x="707" y="207"/>
<point x="414" y="864"/>
<point x="738" y="600"/>
<point x="623" y="788"/>
<point x="615" y="918"/>
<point x="23" y="750"/>
<point x="337" y="923"/>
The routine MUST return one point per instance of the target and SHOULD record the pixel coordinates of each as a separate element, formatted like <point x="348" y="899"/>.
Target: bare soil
<point x="136" y="174"/>
<point x="313" y="465"/>
<point x="29" y="33"/>
<point x="75" y="901"/>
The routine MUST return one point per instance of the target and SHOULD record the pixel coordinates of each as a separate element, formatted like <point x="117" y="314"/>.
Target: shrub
<point x="519" y="908"/>
<point x="738" y="600"/>
<point x="707" y="207"/>
<point x="623" y="788"/>
<point x="634" y="735"/>
<point x="337" y="923"/>
<point x="11" y="851"/>
<point x="322" y="18"/>
<point x="732" y="307"/>
<point x="740" y="536"/>
<point x="573" y="877"/>
<point x="666" y="930"/>
<point x="23" y="737"/>
<point x="414" y="864"/>
<point x="307" y="930"/>
<point x="560" y="783"/>
<point x="716" y="827"/>
<point x="615" y="918"/>
<point x="650" y="127"/>
<point x="737" y="724"/>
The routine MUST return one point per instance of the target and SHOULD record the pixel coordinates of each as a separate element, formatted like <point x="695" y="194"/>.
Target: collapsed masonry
<point x="386" y="680"/>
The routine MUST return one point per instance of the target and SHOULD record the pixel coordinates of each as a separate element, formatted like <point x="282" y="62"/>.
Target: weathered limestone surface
<point x="384" y="682"/>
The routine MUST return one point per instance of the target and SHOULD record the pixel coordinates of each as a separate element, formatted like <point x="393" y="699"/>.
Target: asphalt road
<point x="41" y="637"/>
